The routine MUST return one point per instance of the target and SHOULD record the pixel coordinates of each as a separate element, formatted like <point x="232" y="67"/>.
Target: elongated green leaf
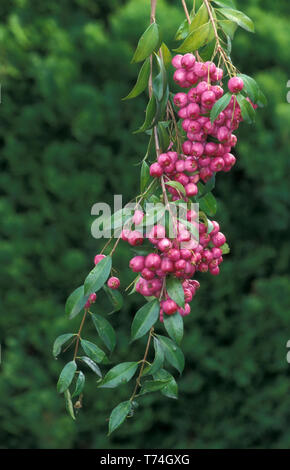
<point x="197" y="39"/>
<point x="147" y="43"/>
<point x="115" y="298"/>
<point x="80" y="383"/>
<point x="158" y="360"/>
<point x="119" y="415"/>
<point x="247" y="110"/>
<point x="182" y="31"/>
<point x="144" y="319"/>
<point x="149" y="117"/>
<point x="68" y="404"/>
<point x="172" y="352"/>
<point x="142" y="81"/>
<point x="225" y="3"/>
<point x="159" y="81"/>
<point x="92" y="350"/>
<point x="261" y="100"/>
<point x="206" y="52"/>
<point x="170" y="390"/>
<point x="66" y="376"/>
<point x="98" y="276"/>
<point x="175" y="290"/>
<point x="199" y="19"/>
<point x="209" y="186"/>
<point x="228" y="27"/>
<point x="62" y="339"/>
<point x="176" y="185"/>
<point x="238" y="17"/>
<point x="92" y="365"/>
<point x="251" y="87"/>
<point x="153" y="386"/>
<point x="166" y="54"/>
<point x="174" y="327"/>
<point x="118" y="375"/>
<point x="207" y="203"/>
<point x="144" y="177"/>
<point x="76" y="302"/>
<point x="105" y="331"/>
<point x="119" y="218"/>
<point x="219" y="106"/>
<point x="163" y="135"/>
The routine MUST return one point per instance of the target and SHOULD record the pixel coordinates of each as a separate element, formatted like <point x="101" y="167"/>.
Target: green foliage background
<point x="66" y="143"/>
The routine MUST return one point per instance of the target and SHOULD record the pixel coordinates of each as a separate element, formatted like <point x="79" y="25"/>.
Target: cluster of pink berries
<point x="180" y="168"/>
<point x="181" y="258"/>
<point x="209" y="156"/>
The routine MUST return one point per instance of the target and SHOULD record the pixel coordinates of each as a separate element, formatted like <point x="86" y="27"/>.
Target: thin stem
<point x="143" y="362"/>
<point x="79" y="334"/>
<point x="186" y="11"/>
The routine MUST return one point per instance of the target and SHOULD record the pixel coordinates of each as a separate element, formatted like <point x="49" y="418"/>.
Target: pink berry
<point x="188" y="61"/>
<point x="191" y="189"/>
<point x="176" y="61"/>
<point x="137" y="263"/>
<point x="153" y="261"/>
<point x="113" y="282"/>
<point x="169" y="306"/>
<point x="98" y="258"/>
<point x="218" y="239"/>
<point x="180" y="99"/>
<point x="156" y="170"/>
<point x="235" y="84"/>
<point x="164" y="244"/>
<point x="137" y="217"/>
<point x="135" y="238"/>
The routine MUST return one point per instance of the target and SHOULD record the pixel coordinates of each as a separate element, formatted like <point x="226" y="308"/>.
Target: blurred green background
<point x="66" y="143"/>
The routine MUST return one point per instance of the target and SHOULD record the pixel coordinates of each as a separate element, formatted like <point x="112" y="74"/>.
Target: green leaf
<point x="153" y="386"/>
<point x="199" y="19"/>
<point x="174" y="327"/>
<point x="92" y="365"/>
<point x="225" y="3"/>
<point x="238" y="17"/>
<point x="209" y="186"/>
<point x="92" y="350"/>
<point x="207" y="203"/>
<point x="119" y="218"/>
<point x="171" y="389"/>
<point x="105" y="331"/>
<point x="149" y="116"/>
<point x="251" y="88"/>
<point x="262" y="100"/>
<point x="225" y="249"/>
<point x="142" y="81"/>
<point x="159" y="81"/>
<point x="166" y="55"/>
<point x="115" y="298"/>
<point x="144" y="177"/>
<point x="118" y="375"/>
<point x="119" y="415"/>
<point x="80" y="383"/>
<point x="147" y="43"/>
<point x="172" y="352"/>
<point x="98" y="276"/>
<point x="219" y="106"/>
<point x="247" y="110"/>
<point x="144" y="319"/>
<point x="66" y="376"/>
<point x="62" y="339"/>
<point x="197" y="39"/>
<point x="182" y="31"/>
<point x="207" y="52"/>
<point x="175" y="290"/>
<point x="158" y="360"/>
<point x="164" y="140"/>
<point x="178" y="186"/>
<point x="68" y="404"/>
<point x="76" y="302"/>
<point x="228" y="27"/>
